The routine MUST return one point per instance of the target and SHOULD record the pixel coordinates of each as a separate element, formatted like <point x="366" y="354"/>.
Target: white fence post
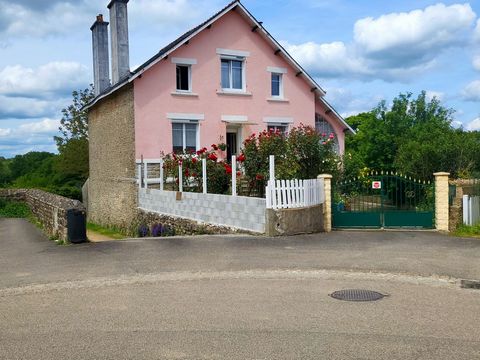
<point x="161" y="174"/>
<point x="180" y="178"/>
<point x="204" y="175"/>
<point x="234" y="175"/>
<point x="145" y="173"/>
<point x="272" y="167"/>
<point x="139" y="170"/>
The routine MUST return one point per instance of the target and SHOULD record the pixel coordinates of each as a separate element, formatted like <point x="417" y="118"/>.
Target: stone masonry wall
<point x="232" y="211"/>
<point x="49" y="209"/>
<point x="181" y="226"/>
<point x="112" y="190"/>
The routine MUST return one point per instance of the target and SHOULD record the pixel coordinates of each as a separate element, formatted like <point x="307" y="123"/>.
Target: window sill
<point x="178" y="93"/>
<point x="234" y="93"/>
<point x="278" y="100"/>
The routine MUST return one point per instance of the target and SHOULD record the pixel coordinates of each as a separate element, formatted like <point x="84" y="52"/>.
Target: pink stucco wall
<point x="154" y="99"/>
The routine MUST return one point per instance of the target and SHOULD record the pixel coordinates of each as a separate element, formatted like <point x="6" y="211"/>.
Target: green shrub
<point x="13" y="209"/>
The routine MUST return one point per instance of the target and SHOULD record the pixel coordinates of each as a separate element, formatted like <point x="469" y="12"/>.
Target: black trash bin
<point x="76" y="226"/>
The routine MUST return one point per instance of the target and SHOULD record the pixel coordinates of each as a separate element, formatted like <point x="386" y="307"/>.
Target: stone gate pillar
<point x="327" y="209"/>
<point x="441" y="201"/>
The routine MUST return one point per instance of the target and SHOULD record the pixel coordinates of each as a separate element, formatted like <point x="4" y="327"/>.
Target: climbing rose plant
<point x="219" y="172"/>
<point x="303" y="153"/>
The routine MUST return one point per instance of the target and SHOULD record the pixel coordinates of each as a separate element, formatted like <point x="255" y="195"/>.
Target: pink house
<point x="219" y="82"/>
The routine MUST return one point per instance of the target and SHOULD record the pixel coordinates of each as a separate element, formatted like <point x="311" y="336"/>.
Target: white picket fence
<point x="471" y="210"/>
<point x="288" y="194"/>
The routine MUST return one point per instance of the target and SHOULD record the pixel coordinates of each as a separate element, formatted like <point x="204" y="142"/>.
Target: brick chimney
<point x="119" y="40"/>
<point x="101" y="72"/>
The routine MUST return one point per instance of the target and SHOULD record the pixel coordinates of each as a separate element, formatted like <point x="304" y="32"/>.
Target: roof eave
<point x="340" y="117"/>
<point x="315" y="86"/>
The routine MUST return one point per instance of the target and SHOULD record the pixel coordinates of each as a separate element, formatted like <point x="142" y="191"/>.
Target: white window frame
<point x="189" y="67"/>
<point x="243" y="90"/>
<point x="184" y="133"/>
<point x="188" y="64"/>
<point x="276" y="125"/>
<point x="280" y="95"/>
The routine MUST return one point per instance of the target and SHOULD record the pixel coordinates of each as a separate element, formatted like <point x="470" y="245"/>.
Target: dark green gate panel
<point x="409" y="219"/>
<point x="347" y="219"/>
<point x="393" y="201"/>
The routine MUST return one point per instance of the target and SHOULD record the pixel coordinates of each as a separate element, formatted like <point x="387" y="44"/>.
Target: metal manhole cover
<point x="357" y="295"/>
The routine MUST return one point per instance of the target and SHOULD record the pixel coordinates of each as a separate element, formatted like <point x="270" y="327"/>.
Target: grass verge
<point x="468" y="231"/>
<point x="106" y="231"/>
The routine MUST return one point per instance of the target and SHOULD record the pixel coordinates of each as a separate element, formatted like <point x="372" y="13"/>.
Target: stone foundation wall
<point x="49" y="209"/>
<point x="180" y="225"/>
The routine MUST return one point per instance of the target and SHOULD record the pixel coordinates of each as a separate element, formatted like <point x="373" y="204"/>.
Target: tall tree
<point x="73" y="142"/>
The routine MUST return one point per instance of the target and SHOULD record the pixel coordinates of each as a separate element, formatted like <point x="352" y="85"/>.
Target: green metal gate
<point x="383" y="200"/>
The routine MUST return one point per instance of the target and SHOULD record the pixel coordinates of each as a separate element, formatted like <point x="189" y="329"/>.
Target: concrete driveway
<point x="238" y="297"/>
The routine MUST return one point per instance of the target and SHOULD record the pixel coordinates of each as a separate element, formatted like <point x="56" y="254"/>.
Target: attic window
<point x="184" y="78"/>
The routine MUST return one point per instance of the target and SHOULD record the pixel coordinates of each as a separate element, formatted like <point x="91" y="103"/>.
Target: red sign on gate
<point x="376" y="185"/>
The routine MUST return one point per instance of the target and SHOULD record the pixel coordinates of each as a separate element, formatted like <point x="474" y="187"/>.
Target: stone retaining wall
<point x="180" y="225"/>
<point x="49" y="209"/>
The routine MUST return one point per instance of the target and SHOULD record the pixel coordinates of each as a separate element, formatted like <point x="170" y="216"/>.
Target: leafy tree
<point x="5" y="173"/>
<point x="73" y="142"/>
<point x="74" y="122"/>
<point x="414" y="137"/>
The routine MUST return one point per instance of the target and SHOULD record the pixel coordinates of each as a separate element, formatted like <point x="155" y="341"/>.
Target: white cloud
<point x="332" y="59"/>
<point x="474" y="125"/>
<point x="418" y="31"/>
<point x="476" y="62"/>
<point x="429" y="94"/>
<point x="471" y="92"/>
<point x="349" y="104"/>
<point x="476" y="33"/>
<point x="52" y="78"/>
<point x="22" y="108"/>
<point x="59" y="18"/>
<point x="392" y="47"/>
<point x="34" y="136"/>
<point x="62" y="17"/>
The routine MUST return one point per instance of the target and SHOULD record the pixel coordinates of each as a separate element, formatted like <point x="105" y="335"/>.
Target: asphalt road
<point x="237" y="297"/>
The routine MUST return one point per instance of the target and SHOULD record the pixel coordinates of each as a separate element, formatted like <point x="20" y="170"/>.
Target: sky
<point x="360" y="51"/>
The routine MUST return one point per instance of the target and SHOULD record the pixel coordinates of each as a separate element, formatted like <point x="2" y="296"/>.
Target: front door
<point x="231" y="145"/>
